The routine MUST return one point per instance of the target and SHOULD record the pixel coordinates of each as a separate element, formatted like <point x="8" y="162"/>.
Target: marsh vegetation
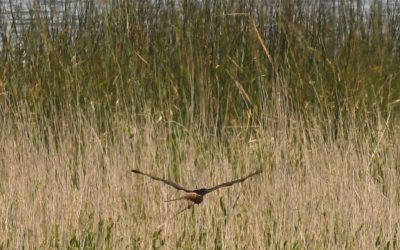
<point x="202" y="92"/>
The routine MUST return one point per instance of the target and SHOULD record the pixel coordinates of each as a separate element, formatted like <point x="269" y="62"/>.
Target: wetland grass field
<point x="201" y="92"/>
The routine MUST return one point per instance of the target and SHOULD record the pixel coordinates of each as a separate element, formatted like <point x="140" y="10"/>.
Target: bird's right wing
<point x="230" y="183"/>
<point x="168" y="182"/>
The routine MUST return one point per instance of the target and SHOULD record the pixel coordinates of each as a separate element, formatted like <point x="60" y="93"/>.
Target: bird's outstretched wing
<point x="173" y="184"/>
<point x="230" y="183"/>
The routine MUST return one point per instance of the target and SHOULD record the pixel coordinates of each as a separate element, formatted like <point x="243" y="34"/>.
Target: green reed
<point x="201" y="63"/>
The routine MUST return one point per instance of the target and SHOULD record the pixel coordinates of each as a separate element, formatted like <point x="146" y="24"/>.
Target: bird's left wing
<point x="168" y="182"/>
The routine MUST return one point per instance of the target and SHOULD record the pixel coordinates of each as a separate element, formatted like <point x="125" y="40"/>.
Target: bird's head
<point x="201" y="191"/>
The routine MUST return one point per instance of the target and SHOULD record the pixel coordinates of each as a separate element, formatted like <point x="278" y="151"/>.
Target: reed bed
<point x="201" y="92"/>
<point x="73" y="188"/>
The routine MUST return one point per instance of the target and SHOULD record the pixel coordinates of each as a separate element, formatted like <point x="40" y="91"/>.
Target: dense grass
<point x="317" y="190"/>
<point x="202" y="92"/>
<point x="202" y="64"/>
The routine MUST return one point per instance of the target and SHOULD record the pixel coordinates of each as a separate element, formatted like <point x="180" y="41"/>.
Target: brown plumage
<point x="196" y="195"/>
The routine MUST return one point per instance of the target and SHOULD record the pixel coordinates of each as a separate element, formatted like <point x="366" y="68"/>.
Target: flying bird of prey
<point x="196" y="195"/>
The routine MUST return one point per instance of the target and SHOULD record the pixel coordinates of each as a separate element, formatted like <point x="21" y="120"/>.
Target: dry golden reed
<point x="74" y="188"/>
